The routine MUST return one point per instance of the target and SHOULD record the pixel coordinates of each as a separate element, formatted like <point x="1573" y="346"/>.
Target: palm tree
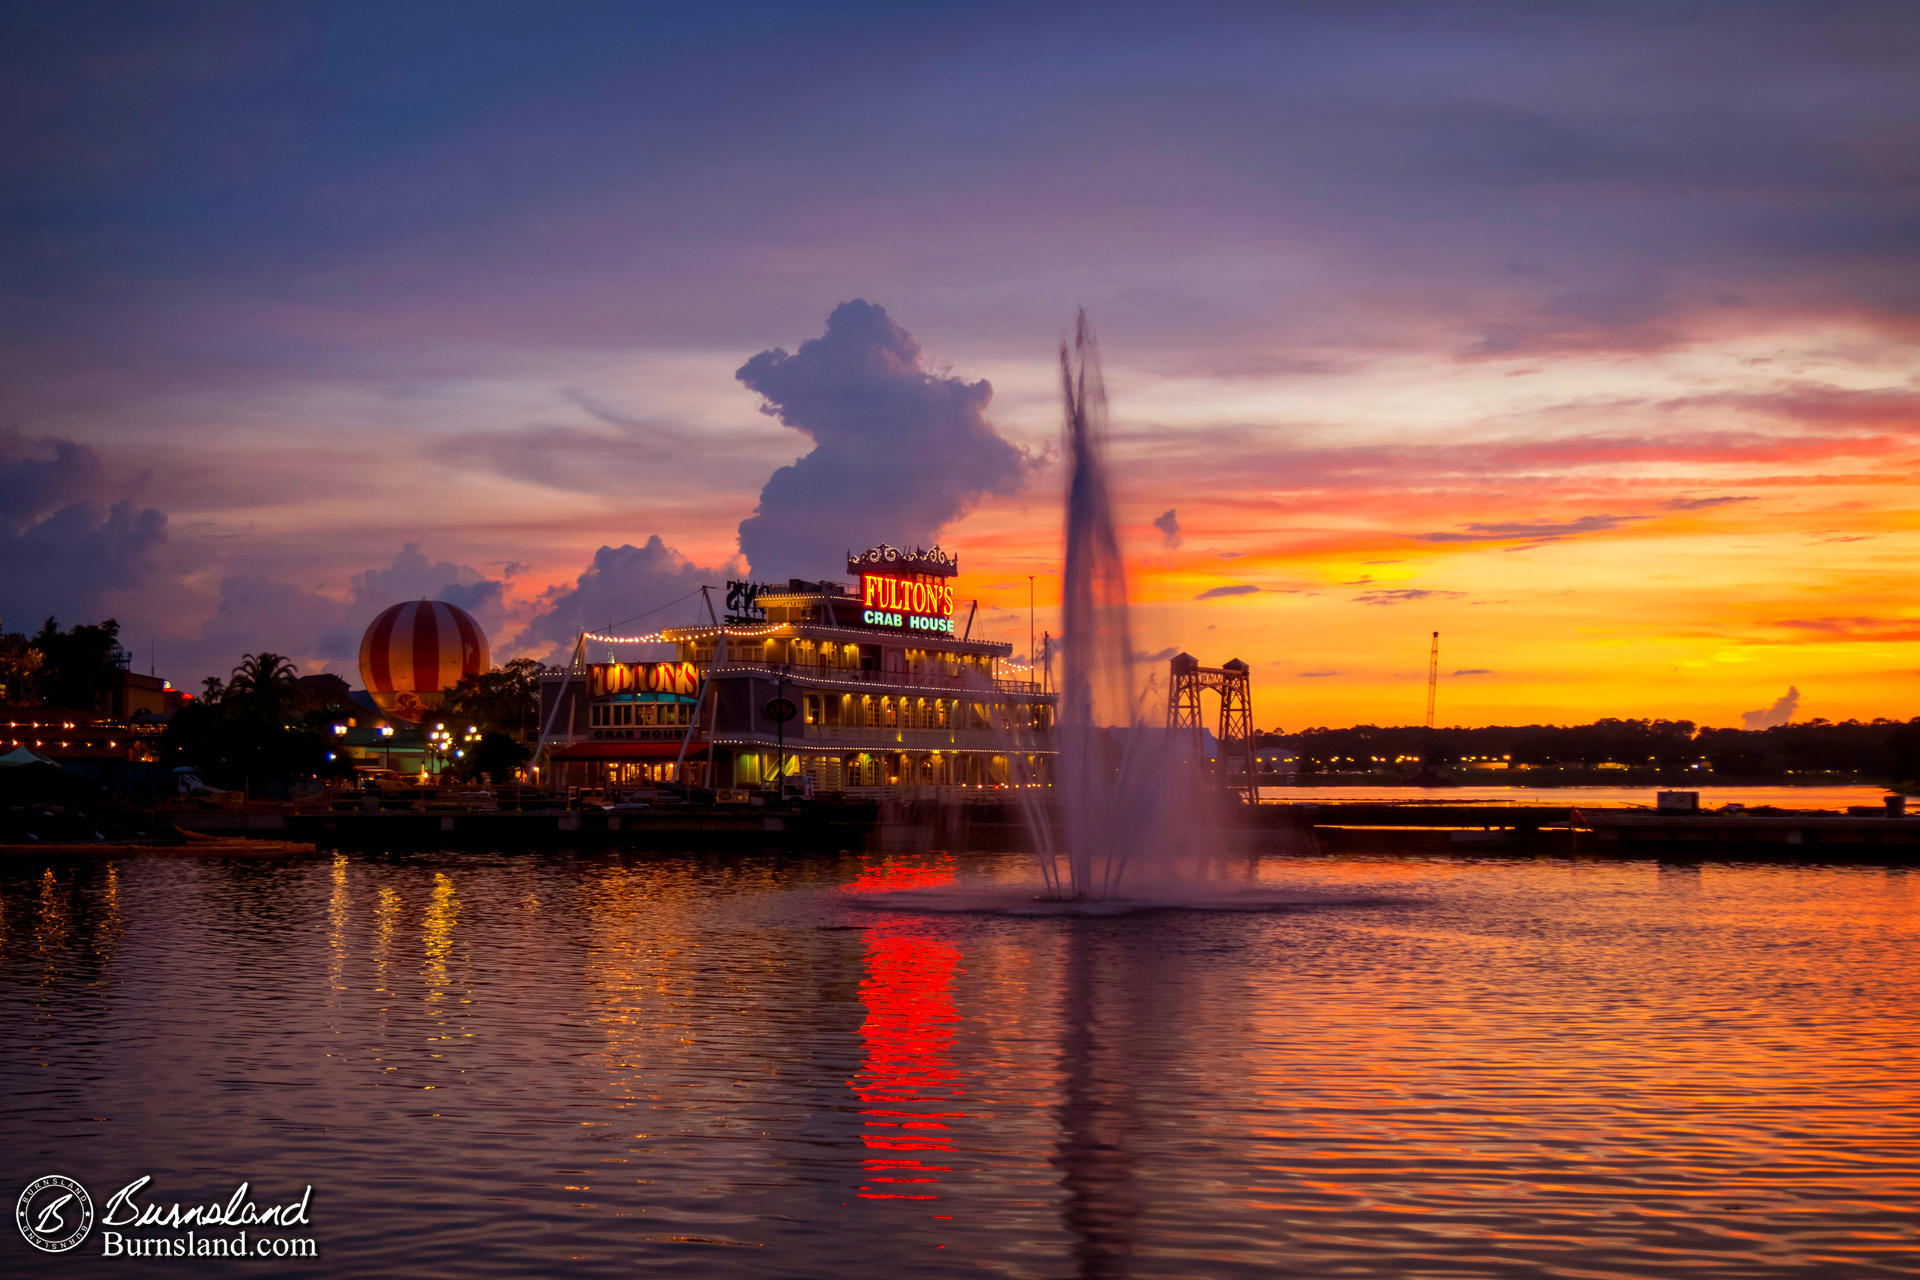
<point x="212" y="690"/>
<point x="266" y="680"/>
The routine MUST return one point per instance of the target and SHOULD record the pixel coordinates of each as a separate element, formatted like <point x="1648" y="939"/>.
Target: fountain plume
<point x="1129" y="798"/>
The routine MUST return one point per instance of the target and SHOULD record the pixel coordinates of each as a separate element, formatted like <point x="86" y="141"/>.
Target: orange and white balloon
<point x="416" y="651"/>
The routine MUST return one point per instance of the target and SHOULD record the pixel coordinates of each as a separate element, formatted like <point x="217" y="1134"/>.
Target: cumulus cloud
<point x="899" y="452"/>
<point x="1220" y="593"/>
<point x="259" y="612"/>
<point x="1169" y="526"/>
<point x="1158" y="655"/>
<point x="622" y="582"/>
<point x="412" y="576"/>
<point x="1779" y="713"/>
<point x="319" y="630"/>
<point x="70" y="542"/>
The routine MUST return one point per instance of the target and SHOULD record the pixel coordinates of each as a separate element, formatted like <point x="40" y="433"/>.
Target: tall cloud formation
<point x="1779" y="713"/>
<point x="70" y="543"/>
<point x="898" y="452"/>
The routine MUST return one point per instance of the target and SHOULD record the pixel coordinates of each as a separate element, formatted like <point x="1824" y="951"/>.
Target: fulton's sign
<point x="917" y="604"/>
<point x="906" y="589"/>
<point x="679" y="678"/>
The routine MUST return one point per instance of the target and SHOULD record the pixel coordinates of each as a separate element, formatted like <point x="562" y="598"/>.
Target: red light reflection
<point x="908" y="1081"/>
<point x="892" y="877"/>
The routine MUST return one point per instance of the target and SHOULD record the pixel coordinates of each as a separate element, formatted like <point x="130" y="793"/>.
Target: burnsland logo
<point x="55" y="1214"/>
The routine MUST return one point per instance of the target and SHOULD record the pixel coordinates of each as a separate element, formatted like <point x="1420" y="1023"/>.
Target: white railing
<point x="880" y="736"/>
<point x="851" y="676"/>
<point x="806" y="675"/>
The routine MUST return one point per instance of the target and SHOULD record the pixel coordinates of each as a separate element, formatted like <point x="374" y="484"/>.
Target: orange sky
<point x="1682" y="534"/>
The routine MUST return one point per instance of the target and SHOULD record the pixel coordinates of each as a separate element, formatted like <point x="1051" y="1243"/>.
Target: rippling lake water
<point x="597" y="1064"/>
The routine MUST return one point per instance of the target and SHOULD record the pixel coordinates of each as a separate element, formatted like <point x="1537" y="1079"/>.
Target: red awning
<point x="623" y="751"/>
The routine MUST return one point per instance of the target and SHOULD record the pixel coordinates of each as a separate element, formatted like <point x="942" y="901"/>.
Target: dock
<point x="1331" y="828"/>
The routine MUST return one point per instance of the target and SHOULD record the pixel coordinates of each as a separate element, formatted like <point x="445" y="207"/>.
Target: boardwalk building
<point x="881" y="683"/>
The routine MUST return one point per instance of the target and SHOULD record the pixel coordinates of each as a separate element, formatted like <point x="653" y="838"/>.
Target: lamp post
<point x="1031" y="659"/>
<point x="780" y="733"/>
<point x="780" y="710"/>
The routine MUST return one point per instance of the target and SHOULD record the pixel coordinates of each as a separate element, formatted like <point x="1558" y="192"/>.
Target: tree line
<point x="77" y="669"/>
<point x="267" y="725"/>
<point x="264" y="725"/>
<point x="1882" y="750"/>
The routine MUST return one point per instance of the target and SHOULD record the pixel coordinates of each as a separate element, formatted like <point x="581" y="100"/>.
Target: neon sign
<point x="679" y="678"/>
<point x="916" y="604"/>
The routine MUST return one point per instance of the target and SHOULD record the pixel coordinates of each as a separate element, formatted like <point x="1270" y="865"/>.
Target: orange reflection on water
<point x="908" y="1080"/>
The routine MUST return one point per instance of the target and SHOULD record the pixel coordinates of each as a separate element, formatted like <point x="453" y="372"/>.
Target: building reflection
<point x="436" y="935"/>
<point x="338" y="903"/>
<point x="50" y="924"/>
<point x="437" y="932"/>
<point x="386" y="919"/>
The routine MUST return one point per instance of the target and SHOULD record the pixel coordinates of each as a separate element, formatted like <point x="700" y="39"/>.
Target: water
<point x="1823" y="797"/>
<point x="597" y="1065"/>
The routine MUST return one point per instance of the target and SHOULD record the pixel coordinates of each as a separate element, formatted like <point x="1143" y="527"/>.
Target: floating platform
<point x="675" y="828"/>
<point x="1786" y="836"/>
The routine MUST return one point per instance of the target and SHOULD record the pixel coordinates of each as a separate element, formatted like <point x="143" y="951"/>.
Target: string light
<point x="597" y="638"/>
<point x="687" y="633"/>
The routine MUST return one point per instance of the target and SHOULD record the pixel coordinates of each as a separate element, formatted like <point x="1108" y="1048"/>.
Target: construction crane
<point x="1433" y="676"/>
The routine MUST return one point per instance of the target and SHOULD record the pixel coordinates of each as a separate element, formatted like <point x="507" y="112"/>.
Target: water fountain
<point x="1135" y="818"/>
<point x="1136" y="815"/>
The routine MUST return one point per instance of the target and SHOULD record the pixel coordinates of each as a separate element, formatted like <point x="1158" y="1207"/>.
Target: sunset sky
<point x="1584" y="335"/>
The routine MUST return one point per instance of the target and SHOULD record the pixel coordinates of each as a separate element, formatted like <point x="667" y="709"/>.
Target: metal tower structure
<point x="1433" y="676"/>
<point x="1233" y="681"/>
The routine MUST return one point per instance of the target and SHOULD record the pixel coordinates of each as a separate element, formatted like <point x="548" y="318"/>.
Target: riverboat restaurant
<point x="880" y="683"/>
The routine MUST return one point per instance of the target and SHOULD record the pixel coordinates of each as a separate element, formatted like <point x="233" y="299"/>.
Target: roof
<point x="20" y="756"/>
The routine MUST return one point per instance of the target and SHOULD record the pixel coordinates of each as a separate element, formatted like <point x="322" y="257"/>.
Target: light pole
<point x="1031" y="658"/>
<point x="780" y="733"/>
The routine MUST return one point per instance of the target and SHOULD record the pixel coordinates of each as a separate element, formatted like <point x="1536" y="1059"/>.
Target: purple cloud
<point x="1531" y="531"/>
<point x="1169" y="526"/>
<point x="899" y="452"/>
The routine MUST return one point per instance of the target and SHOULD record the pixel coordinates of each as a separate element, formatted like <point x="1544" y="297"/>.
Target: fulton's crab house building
<point x="835" y="687"/>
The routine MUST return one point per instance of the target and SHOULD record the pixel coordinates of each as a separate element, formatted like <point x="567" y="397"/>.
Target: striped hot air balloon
<point x="415" y="650"/>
